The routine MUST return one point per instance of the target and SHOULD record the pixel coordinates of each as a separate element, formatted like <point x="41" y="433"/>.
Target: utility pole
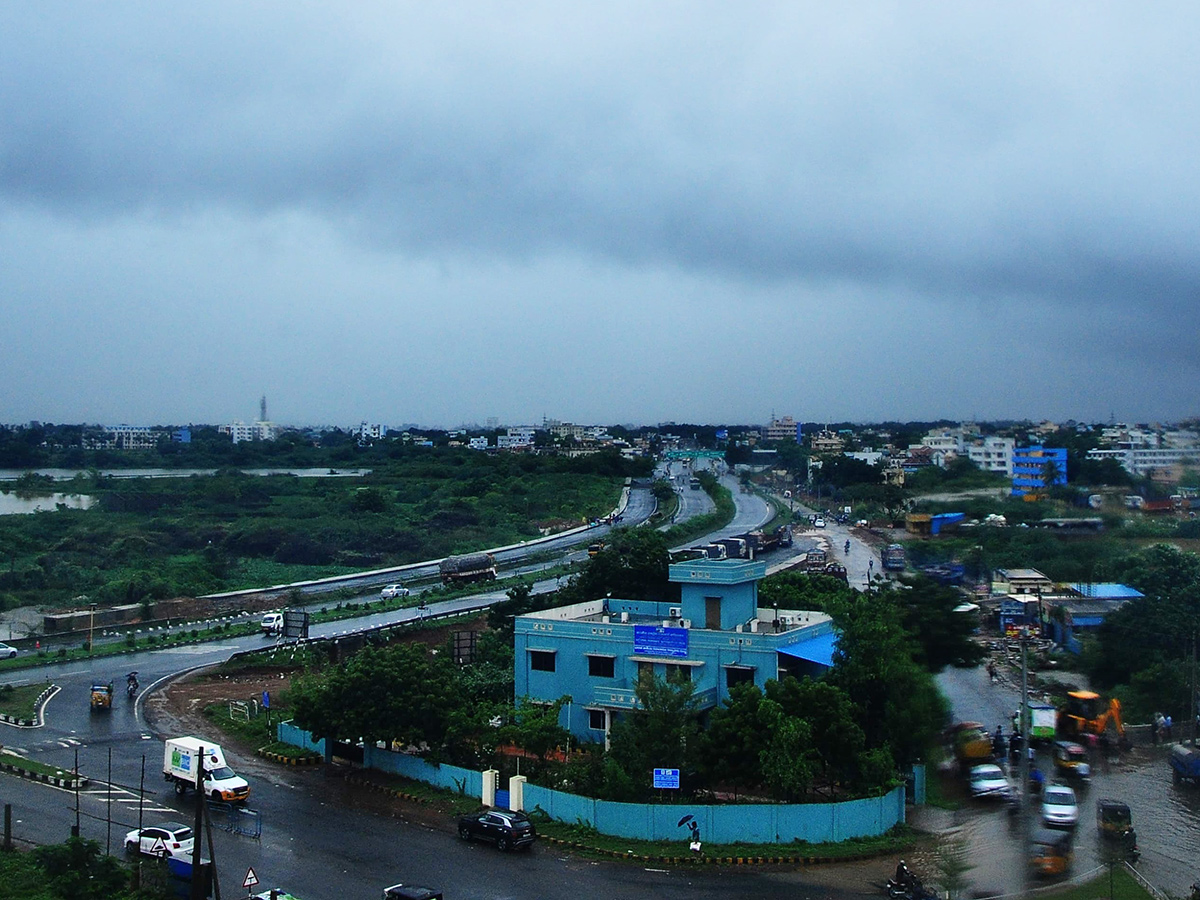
<point x="198" y="891"/>
<point x="1026" y="746"/>
<point x="75" y="827"/>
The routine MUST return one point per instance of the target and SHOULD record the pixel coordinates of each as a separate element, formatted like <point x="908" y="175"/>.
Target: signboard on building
<point x="654" y="640"/>
<point x="666" y="778"/>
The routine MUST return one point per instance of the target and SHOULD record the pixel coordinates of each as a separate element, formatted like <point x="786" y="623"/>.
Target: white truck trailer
<point x="181" y="760"/>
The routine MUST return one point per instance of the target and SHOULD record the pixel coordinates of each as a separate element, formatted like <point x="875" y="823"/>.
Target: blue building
<point x="1029" y="468"/>
<point x="717" y="636"/>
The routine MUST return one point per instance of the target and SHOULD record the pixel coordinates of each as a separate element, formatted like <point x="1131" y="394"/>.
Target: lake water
<point x="68" y="474"/>
<point x="11" y="504"/>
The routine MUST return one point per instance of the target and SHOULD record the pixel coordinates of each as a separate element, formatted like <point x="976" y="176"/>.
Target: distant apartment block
<point x="826" y="441"/>
<point x="947" y="442"/>
<point x="993" y="454"/>
<point x="131" y="437"/>
<point x="785" y="429"/>
<point x="1146" y="461"/>
<point x="368" y="433"/>
<point x="1029" y="467"/>
<point x="255" y="431"/>
<point x="515" y="439"/>
<point x="478" y="443"/>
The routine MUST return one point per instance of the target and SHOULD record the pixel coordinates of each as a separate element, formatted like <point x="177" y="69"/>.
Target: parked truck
<point x="816" y="560"/>
<point x="468" y="568"/>
<point x="893" y="558"/>
<point x="181" y="761"/>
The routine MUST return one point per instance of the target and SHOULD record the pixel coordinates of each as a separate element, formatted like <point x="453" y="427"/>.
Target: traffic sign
<point x="250" y="880"/>
<point x="666" y="778"/>
<point x="158" y="847"/>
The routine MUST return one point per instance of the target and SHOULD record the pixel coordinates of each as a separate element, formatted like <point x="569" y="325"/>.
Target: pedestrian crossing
<point x="122" y="798"/>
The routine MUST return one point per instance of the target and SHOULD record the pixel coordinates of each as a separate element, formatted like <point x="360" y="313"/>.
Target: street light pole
<point x="91" y="625"/>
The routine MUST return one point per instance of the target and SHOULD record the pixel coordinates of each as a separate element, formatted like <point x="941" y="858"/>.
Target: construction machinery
<point x="1086" y="713"/>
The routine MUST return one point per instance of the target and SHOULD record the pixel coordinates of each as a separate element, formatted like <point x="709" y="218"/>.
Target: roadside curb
<point x="38" y="704"/>
<point x="714" y="860"/>
<point x="288" y="760"/>
<point x="382" y="789"/>
<point x="70" y="783"/>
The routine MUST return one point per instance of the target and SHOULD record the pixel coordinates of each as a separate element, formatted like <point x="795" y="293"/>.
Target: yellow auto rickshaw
<point x="102" y="693"/>
<point x="1050" y="851"/>
<point x="1071" y="760"/>
<point x="1114" y="822"/>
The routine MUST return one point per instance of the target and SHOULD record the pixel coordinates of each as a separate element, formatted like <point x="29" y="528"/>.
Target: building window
<point x="601" y="666"/>
<point x="738" y="675"/>
<point x="597" y="720"/>
<point x="541" y="660"/>
<point x="679" y="673"/>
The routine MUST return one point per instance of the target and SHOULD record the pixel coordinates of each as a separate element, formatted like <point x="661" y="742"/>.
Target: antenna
<point x="262" y="409"/>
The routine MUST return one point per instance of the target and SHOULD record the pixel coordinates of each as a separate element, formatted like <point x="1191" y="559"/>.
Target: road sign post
<point x="250" y="880"/>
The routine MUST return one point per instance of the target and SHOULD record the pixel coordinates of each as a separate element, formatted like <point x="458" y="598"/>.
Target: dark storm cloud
<point x="983" y="157"/>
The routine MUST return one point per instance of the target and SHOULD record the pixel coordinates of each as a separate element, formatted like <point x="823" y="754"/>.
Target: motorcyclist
<point x="846" y="549"/>
<point x="131" y="683"/>
<point x="904" y="875"/>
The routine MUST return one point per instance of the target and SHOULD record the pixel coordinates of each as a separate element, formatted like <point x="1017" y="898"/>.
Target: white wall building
<point x="255" y="431"/>
<point x="993" y="454"/>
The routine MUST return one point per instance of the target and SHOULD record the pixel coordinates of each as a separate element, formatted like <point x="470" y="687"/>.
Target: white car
<point x="819" y="523"/>
<point x="163" y="840"/>
<point x="272" y="623"/>
<point x="1059" y="806"/>
<point x="989" y="780"/>
<point x="391" y="591"/>
<point x="7" y="652"/>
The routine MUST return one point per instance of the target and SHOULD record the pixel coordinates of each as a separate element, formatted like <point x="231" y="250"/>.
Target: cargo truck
<point x="468" y="568"/>
<point x="181" y="760"/>
<point x="893" y="558"/>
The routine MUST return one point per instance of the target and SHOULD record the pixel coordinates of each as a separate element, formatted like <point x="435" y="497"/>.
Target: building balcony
<point x="625" y="697"/>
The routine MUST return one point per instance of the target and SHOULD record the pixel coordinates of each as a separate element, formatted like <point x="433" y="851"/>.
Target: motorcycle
<point x="846" y="549"/>
<point x="912" y="889"/>
<point x="131" y="685"/>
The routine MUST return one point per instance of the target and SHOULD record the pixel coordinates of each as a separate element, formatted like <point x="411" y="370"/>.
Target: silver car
<point x="1059" y="806"/>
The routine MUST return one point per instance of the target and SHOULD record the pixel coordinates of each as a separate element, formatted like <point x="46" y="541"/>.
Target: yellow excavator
<point x="1086" y="713"/>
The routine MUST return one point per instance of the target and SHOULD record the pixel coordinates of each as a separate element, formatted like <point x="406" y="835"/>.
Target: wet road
<point x="1166" y="816"/>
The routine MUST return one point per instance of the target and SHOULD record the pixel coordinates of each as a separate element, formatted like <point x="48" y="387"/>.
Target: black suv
<point x="507" y="829"/>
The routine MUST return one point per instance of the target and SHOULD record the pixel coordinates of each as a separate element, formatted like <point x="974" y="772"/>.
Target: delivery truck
<point x="181" y="760"/>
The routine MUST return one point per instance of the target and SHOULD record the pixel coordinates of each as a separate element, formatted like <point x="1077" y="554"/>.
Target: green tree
<point x="663" y="732"/>
<point x="899" y="703"/>
<point x="401" y="693"/>
<point x="788" y="761"/>
<point x="737" y="731"/>
<point x="77" y="870"/>
<point x="943" y="635"/>
<point x="836" y="737"/>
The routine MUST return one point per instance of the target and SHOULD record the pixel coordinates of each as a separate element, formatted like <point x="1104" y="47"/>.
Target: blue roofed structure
<point x="716" y="636"/>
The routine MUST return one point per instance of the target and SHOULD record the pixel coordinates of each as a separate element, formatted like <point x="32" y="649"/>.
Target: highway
<point x="320" y="837"/>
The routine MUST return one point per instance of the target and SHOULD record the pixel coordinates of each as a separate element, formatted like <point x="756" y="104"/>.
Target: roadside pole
<point x="1026" y="745"/>
<point x="198" y="830"/>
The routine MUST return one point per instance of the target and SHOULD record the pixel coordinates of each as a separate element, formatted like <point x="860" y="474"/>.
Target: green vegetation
<point x="1116" y="884"/>
<point x="75" y="870"/>
<point x="150" y="539"/>
<point x="32" y="765"/>
<point x="18" y="702"/>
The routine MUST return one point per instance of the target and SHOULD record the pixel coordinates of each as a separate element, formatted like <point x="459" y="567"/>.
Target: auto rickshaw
<point x="1071" y="760"/>
<point x="1050" y="851"/>
<point x="102" y="694"/>
<point x="1114" y="821"/>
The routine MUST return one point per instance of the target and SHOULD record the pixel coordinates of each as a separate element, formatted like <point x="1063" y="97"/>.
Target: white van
<point x="272" y="623"/>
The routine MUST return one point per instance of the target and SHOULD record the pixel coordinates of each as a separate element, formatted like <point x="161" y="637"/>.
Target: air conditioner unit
<point x="605" y="619"/>
<point x="675" y="612"/>
<point x="685" y="623"/>
<point x="624" y="618"/>
<point x="670" y="623"/>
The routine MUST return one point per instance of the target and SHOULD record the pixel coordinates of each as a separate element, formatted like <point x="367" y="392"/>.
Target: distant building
<point x="131" y="437"/>
<point x="785" y="429"/>
<point x="993" y="454"/>
<point x="826" y="441"/>
<point x="717" y="636"/>
<point x="1029" y="469"/>
<point x="478" y="443"/>
<point x="255" y="431"/>
<point x="368" y="433"/>
<point x="516" y="439"/>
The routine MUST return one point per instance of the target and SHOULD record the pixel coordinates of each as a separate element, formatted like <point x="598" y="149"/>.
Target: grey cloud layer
<point x="996" y="153"/>
<point x="1027" y="168"/>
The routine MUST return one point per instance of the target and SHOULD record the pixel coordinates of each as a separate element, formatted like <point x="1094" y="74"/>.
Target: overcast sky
<point x="611" y="212"/>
